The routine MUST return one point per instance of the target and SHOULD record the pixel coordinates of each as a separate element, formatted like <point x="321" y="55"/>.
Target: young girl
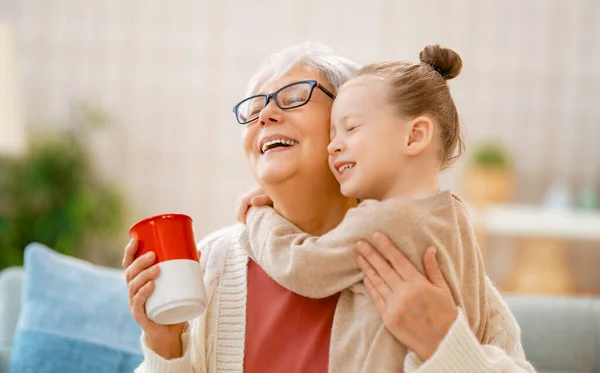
<point x="393" y="128"/>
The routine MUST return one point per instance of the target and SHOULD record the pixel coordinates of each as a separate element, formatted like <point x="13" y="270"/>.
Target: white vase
<point x="558" y="196"/>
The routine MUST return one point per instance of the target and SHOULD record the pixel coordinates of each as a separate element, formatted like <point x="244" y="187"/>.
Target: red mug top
<point x="169" y="236"/>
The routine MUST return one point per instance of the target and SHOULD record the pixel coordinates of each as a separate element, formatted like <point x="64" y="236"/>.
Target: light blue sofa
<point x="60" y="314"/>
<point x="560" y="335"/>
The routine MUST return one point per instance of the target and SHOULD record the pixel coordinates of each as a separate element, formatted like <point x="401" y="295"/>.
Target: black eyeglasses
<point x="289" y="97"/>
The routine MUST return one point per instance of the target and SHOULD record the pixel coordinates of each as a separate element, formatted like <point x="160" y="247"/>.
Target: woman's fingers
<point x="139" y="278"/>
<point x="433" y="271"/>
<point x="139" y="265"/>
<point x="378" y="283"/>
<point x="378" y="299"/>
<point x="129" y="254"/>
<point x="138" y="303"/>
<point x="142" y="279"/>
<point x="394" y="255"/>
<point x="379" y="265"/>
<point x="418" y="314"/>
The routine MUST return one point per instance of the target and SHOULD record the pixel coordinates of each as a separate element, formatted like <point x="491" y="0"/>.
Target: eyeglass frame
<point x="268" y="97"/>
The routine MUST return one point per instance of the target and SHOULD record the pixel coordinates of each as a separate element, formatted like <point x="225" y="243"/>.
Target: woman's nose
<point x="270" y="114"/>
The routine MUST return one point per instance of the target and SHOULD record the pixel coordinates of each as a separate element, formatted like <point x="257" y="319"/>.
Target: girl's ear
<point x="419" y="135"/>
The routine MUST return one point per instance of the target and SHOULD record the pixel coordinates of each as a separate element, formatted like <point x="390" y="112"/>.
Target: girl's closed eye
<point x="352" y="127"/>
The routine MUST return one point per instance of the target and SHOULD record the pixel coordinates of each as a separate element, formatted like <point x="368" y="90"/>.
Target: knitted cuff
<point x="153" y="362"/>
<point x="459" y="351"/>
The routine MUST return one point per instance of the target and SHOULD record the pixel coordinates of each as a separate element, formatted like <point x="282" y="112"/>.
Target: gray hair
<point x="338" y="70"/>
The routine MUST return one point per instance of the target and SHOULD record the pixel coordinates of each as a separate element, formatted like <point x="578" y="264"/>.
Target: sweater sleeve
<point x="318" y="267"/>
<point x="154" y="363"/>
<point x="461" y="352"/>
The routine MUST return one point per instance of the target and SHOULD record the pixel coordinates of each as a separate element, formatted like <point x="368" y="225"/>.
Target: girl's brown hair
<point x="418" y="89"/>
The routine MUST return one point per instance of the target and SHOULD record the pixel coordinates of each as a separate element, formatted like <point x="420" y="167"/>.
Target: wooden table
<point x="541" y="266"/>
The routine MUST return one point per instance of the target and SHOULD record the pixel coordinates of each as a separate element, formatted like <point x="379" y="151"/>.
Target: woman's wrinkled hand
<point x="255" y="197"/>
<point x="417" y="310"/>
<point x="140" y="274"/>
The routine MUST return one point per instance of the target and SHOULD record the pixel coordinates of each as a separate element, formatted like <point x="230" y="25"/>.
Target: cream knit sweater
<point x="214" y="341"/>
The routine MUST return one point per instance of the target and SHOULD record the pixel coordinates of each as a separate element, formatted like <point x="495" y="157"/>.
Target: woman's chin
<point x="272" y="175"/>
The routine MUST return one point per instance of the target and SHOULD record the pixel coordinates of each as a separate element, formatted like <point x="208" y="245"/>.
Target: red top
<point x="285" y="332"/>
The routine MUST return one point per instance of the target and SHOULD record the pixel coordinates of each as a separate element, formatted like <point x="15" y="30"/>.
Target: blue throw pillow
<point x="74" y="318"/>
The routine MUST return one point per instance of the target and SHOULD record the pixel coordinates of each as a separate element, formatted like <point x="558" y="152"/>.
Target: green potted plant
<point x="489" y="177"/>
<point x="52" y="194"/>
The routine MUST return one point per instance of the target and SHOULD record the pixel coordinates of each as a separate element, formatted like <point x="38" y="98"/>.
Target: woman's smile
<point x="276" y="143"/>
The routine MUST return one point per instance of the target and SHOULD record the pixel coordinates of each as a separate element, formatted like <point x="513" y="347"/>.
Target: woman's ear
<point x="419" y="135"/>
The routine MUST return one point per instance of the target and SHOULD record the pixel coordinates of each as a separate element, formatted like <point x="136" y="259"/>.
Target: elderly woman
<point x="251" y="323"/>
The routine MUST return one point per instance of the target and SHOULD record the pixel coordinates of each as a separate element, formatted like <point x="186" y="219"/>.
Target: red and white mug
<point x="179" y="293"/>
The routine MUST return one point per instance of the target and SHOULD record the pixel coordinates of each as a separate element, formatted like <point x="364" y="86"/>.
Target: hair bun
<point x="445" y="60"/>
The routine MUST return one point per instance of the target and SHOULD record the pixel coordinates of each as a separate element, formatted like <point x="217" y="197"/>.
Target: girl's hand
<point x="255" y="197"/>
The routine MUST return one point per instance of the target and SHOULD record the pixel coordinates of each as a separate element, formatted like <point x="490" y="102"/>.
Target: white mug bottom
<point x="178" y="294"/>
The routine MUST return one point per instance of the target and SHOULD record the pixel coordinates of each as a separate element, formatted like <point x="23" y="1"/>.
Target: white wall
<point x="169" y="72"/>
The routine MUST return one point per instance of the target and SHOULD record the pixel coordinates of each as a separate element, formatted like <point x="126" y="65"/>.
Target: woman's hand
<point x="417" y="310"/>
<point x="255" y="197"/>
<point x="140" y="274"/>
